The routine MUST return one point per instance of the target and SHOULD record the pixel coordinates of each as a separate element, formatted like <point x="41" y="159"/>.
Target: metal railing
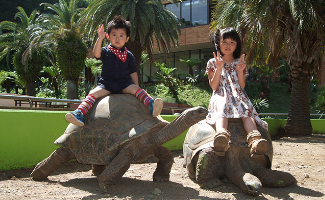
<point x="286" y="114"/>
<point x="34" y="100"/>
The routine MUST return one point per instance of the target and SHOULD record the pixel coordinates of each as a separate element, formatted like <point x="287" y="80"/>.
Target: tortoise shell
<point x="201" y="136"/>
<point x="112" y="122"/>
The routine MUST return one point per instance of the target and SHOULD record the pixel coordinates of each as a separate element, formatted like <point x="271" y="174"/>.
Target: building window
<point x="191" y="12"/>
<point x="186" y="13"/>
<point x="199" y="12"/>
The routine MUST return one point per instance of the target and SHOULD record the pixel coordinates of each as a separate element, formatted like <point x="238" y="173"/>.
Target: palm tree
<point x="62" y="31"/>
<point x="16" y="42"/>
<point x="294" y="29"/>
<point x="150" y="21"/>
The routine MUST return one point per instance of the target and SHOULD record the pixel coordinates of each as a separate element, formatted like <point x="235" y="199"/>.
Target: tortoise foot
<point x="40" y="178"/>
<point x="160" y="178"/>
<point x="104" y="187"/>
<point x="210" y="183"/>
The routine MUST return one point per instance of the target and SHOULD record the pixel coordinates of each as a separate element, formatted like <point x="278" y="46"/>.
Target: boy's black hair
<point x="225" y="34"/>
<point x="117" y="23"/>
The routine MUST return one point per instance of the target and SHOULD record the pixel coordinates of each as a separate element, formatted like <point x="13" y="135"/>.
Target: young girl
<point x="227" y="75"/>
<point x="119" y="73"/>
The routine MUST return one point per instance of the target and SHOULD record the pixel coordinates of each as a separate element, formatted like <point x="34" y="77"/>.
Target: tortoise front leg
<point x="208" y="169"/>
<point x="115" y="170"/>
<point x="274" y="178"/>
<point x="164" y="165"/>
<point x="246" y="181"/>
<point x="51" y="163"/>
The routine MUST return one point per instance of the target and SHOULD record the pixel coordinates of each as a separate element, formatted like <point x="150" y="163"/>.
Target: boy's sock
<point x="86" y="104"/>
<point x="78" y="116"/>
<point x="155" y="106"/>
<point x="143" y="96"/>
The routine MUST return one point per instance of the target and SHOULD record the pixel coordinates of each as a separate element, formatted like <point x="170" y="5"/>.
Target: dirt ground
<point x="303" y="157"/>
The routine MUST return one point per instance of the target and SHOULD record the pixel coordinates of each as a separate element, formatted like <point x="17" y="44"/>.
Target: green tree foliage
<point x="16" y="42"/>
<point x="71" y="54"/>
<point x="150" y="21"/>
<point x="8" y="8"/>
<point x="62" y="31"/>
<point x="165" y="76"/>
<point x="29" y="72"/>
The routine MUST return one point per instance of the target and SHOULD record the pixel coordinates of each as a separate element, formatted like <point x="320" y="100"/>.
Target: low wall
<point x="27" y="136"/>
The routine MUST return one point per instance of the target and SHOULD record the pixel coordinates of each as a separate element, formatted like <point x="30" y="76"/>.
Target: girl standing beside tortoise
<point x="227" y="77"/>
<point x="119" y="72"/>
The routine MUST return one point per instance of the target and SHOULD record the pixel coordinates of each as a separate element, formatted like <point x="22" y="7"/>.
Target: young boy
<point x="119" y="72"/>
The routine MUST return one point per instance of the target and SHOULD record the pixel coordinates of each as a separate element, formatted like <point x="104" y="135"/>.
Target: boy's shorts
<point x="114" y="87"/>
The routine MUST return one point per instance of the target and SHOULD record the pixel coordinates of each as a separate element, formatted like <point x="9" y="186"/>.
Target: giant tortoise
<point x="119" y="130"/>
<point x="247" y="172"/>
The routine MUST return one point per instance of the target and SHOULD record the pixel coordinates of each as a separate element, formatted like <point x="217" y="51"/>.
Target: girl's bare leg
<point x="221" y="123"/>
<point x="249" y="124"/>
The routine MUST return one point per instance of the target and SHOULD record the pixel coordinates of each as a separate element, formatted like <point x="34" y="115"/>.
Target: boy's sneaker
<point x="155" y="106"/>
<point x="75" y="118"/>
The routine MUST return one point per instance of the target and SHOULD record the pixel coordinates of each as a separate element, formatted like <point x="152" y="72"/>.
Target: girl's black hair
<point x="225" y="34"/>
<point x="117" y="23"/>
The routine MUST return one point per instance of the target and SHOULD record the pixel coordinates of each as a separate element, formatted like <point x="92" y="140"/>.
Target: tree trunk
<point x="8" y="85"/>
<point x="56" y="87"/>
<point x="16" y="89"/>
<point x="136" y="49"/>
<point x="190" y="71"/>
<point x="298" y="121"/>
<point x="31" y="88"/>
<point x="72" y="89"/>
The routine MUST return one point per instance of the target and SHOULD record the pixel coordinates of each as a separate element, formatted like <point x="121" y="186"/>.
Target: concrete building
<point x="194" y="41"/>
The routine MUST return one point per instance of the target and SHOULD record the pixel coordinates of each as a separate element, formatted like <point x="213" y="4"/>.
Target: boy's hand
<point x="241" y="64"/>
<point x="219" y="62"/>
<point x="101" y="33"/>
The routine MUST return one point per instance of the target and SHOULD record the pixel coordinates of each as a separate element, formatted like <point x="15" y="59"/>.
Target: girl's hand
<point x="100" y="31"/>
<point x="241" y="64"/>
<point x="219" y="62"/>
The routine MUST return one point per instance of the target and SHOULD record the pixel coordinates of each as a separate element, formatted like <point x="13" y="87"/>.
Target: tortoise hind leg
<point x="208" y="169"/>
<point x="97" y="169"/>
<point x="164" y="165"/>
<point x="51" y="163"/>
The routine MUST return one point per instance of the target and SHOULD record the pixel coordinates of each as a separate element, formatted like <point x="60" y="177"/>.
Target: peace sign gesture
<point x="241" y="64"/>
<point x="219" y="62"/>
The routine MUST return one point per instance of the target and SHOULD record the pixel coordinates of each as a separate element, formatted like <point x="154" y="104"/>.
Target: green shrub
<point x="71" y="56"/>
